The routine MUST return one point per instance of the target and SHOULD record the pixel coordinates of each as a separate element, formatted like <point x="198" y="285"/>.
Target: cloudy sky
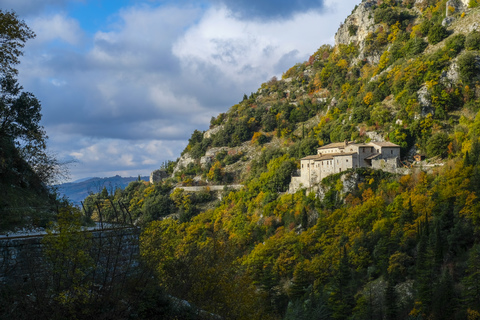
<point x="123" y="83"/>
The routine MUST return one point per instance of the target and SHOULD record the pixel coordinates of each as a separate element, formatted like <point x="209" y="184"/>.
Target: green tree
<point x="437" y="33"/>
<point x="341" y="299"/>
<point x="20" y="112"/>
<point x="437" y="144"/>
<point x="67" y="254"/>
<point x="425" y="275"/>
<point x="468" y="67"/>
<point x="472" y="41"/>
<point x="13" y="35"/>
<point x="391" y="300"/>
<point x="472" y="279"/>
<point x="216" y="172"/>
<point x="104" y="193"/>
<point x="301" y="281"/>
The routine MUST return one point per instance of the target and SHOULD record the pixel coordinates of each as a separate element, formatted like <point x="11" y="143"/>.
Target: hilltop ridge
<point x="398" y="72"/>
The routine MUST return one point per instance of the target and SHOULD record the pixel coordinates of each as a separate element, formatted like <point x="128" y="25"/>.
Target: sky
<point x="124" y="83"/>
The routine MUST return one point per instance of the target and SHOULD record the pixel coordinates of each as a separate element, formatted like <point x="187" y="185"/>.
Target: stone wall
<point x="217" y="189"/>
<point x="114" y="252"/>
<point x="389" y="165"/>
<point x="20" y="258"/>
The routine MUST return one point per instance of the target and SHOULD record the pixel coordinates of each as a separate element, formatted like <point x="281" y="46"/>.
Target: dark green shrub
<point x="455" y="44"/>
<point x="352" y="30"/>
<point x="473" y="3"/>
<point x="389" y="15"/>
<point x="425" y="27"/>
<point x="468" y="67"/>
<point x="472" y="41"/>
<point x="414" y="47"/>
<point x="437" y="145"/>
<point x="303" y="148"/>
<point x="437" y="33"/>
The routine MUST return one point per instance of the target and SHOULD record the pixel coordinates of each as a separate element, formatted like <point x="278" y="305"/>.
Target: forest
<point x="370" y="244"/>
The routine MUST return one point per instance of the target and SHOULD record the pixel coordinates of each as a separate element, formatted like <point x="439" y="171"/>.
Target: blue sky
<point x="124" y="83"/>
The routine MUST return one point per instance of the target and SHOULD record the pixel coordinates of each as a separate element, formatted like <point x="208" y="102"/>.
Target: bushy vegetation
<point x="394" y="247"/>
<point x="369" y="244"/>
<point x="26" y="168"/>
<point x="349" y="254"/>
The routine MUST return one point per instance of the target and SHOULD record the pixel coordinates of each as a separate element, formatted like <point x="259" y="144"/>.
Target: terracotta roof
<point x="385" y="144"/>
<point x="333" y="145"/>
<point x="313" y="157"/>
<point x="327" y="156"/>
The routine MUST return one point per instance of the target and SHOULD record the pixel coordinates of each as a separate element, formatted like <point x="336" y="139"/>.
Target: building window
<point x="346" y="160"/>
<point x="308" y="165"/>
<point x="302" y="166"/>
<point x="391" y="151"/>
<point x="363" y="150"/>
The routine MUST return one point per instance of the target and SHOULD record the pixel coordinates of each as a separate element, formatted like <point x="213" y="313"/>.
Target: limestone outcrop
<point x="357" y="27"/>
<point x="183" y="162"/>
<point x="158" y="175"/>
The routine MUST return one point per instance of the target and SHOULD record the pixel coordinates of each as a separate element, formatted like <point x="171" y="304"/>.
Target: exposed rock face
<point x="349" y="180"/>
<point x="210" y="132"/>
<point x="183" y="162"/>
<point x="361" y="19"/>
<point x="158" y="175"/>
<point x="375" y="136"/>
<point x="357" y="27"/>
<point x="212" y="152"/>
<point x="447" y="21"/>
<point x="425" y="102"/>
<point x="450" y="76"/>
<point x="206" y="160"/>
<point x="454" y="6"/>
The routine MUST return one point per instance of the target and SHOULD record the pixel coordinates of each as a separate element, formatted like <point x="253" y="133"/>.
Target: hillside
<point x="367" y="244"/>
<point x="395" y="74"/>
<point x="78" y="191"/>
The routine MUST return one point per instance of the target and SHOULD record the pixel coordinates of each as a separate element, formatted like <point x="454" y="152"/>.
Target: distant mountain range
<point x="78" y="190"/>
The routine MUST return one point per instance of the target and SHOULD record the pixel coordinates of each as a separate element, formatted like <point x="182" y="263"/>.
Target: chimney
<point x="345" y="144"/>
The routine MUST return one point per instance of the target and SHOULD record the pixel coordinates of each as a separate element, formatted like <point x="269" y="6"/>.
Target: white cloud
<point x="56" y="27"/>
<point x="128" y="158"/>
<point x="246" y="51"/>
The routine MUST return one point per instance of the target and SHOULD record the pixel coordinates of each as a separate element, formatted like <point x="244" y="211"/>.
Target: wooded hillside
<point x="371" y="245"/>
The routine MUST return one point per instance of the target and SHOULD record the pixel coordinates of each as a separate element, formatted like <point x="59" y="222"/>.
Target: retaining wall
<point x="113" y="252"/>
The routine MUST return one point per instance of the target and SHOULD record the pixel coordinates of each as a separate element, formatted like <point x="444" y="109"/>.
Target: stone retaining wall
<point x="113" y="252"/>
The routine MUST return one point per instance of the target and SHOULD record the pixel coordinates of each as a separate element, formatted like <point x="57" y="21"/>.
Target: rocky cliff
<point x="358" y="25"/>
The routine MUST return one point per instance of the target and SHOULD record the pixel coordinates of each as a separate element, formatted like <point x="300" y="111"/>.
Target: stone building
<point x="338" y="157"/>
